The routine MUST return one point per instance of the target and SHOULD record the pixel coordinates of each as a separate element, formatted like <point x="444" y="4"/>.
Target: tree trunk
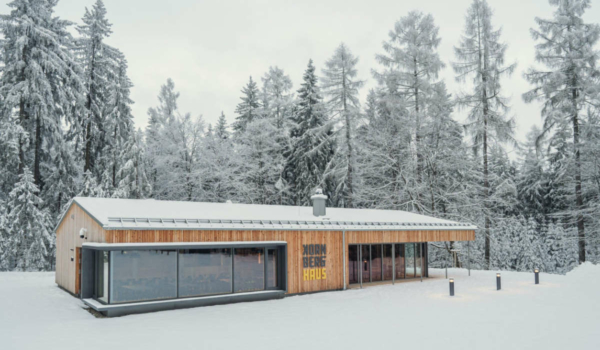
<point x="578" y="191"/>
<point x="22" y="119"/>
<point x="37" y="176"/>
<point x="486" y="181"/>
<point x="349" y="170"/>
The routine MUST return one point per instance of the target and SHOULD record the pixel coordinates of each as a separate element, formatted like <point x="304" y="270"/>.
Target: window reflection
<point x="249" y="269"/>
<point x="376" y="262"/>
<point x="143" y="275"/>
<point x="272" y="270"/>
<point x="388" y="267"/>
<point x="101" y="280"/>
<point x="410" y="260"/>
<point x="204" y="272"/>
<point x="399" y="256"/>
<point x="366" y="263"/>
<point x="353" y="269"/>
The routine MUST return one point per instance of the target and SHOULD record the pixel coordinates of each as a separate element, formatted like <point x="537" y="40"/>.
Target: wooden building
<point x="126" y="256"/>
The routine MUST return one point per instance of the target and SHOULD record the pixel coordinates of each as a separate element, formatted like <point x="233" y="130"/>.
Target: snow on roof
<point x="143" y="214"/>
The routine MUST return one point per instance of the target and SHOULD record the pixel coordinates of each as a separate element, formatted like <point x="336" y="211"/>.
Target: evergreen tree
<point x="134" y="182"/>
<point x="567" y="49"/>
<point x="247" y="110"/>
<point x="277" y="94"/>
<point x="40" y="80"/>
<point x="97" y="60"/>
<point x="480" y="55"/>
<point x="312" y="144"/>
<point x="412" y="64"/>
<point x="341" y="87"/>
<point x="221" y="128"/>
<point x="30" y="242"/>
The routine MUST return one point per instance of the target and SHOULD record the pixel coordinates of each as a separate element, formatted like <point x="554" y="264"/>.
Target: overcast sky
<point x="210" y="48"/>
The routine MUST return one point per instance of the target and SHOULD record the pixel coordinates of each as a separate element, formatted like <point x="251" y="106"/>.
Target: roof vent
<point x="319" y="200"/>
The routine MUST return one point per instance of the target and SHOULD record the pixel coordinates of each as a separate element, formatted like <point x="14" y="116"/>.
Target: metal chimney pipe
<point x="319" y="203"/>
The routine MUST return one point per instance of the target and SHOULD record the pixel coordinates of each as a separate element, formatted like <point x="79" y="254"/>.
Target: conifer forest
<point x="67" y="129"/>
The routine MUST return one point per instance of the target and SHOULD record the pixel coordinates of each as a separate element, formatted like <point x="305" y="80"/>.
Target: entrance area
<point x="369" y="263"/>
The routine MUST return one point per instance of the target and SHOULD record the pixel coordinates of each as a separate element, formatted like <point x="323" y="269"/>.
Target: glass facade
<point x="272" y="268"/>
<point x="139" y="275"/>
<point x="249" y="272"/>
<point x="365" y="256"/>
<point x="376" y="267"/>
<point x="399" y="261"/>
<point x="136" y="275"/>
<point x="353" y="268"/>
<point x="380" y="262"/>
<point x="101" y="278"/>
<point x="388" y="262"/>
<point x="204" y="272"/>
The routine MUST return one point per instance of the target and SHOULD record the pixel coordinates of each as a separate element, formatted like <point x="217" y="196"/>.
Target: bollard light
<point x="498" y="282"/>
<point x="537" y="276"/>
<point x="451" y="287"/>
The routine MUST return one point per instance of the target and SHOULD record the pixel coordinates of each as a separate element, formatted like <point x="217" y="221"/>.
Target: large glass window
<point x="249" y="269"/>
<point x="399" y="257"/>
<point x="410" y="260"/>
<point x="272" y="268"/>
<point x="365" y="253"/>
<point x="376" y="262"/>
<point x="204" y="272"/>
<point x="388" y="267"/>
<point x="143" y="275"/>
<point x="353" y="269"/>
<point x="101" y="280"/>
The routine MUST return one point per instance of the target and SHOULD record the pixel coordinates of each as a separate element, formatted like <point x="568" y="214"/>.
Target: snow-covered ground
<point x="563" y="312"/>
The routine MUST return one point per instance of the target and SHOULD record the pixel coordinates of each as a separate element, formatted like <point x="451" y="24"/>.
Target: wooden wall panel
<point x="67" y="240"/>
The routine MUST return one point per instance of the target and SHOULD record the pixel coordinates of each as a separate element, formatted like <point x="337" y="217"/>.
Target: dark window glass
<point x="388" y="267"/>
<point x="101" y="281"/>
<point x="417" y="259"/>
<point x="410" y="260"/>
<point x="143" y="275"/>
<point x="353" y="264"/>
<point x="365" y="252"/>
<point x="249" y="269"/>
<point x="399" y="257"/>
<point x="376" y="262"/>
<point x="272" y="268"/>
<point x="204" y="272"/>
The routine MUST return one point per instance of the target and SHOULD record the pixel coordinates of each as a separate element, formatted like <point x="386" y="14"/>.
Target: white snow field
<point x="563" y="312"/>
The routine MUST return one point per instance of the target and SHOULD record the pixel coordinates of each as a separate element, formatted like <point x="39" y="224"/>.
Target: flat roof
<point x="144" y="214"/>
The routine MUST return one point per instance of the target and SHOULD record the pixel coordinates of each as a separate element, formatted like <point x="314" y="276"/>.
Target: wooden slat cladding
<point x="295" y="242"/>
<point x="67" y="240"/>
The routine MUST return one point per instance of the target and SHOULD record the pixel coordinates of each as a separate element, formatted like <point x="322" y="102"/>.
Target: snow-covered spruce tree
<point x="62" y="182"/>
<point x="97" y="60"/>
<point x="133" y="181"/>
<point x="412" y="63"/>
<point x="11" y="136"/>
<point x="312" y="145"/>
<point x="158" y="117"/>
<point x="90" y="188"/>
<point x="221" y="129"/>
<point x="567" y="49"/>
<point x="40" y="80"/>
<point x="480" y="57"/>
<point x="260" y="172"/>
<point x="118" y="125"/>
<point x="222" y="166"/>
<point x="340" y="87"/>
<point x="248" y="109"/>
<point x="371" y="106"/>
<point x="277" y="88"/>
<point x="30" y="244"/>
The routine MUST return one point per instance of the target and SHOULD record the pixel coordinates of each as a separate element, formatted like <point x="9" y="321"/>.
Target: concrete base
<point x="172" y="304"/>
